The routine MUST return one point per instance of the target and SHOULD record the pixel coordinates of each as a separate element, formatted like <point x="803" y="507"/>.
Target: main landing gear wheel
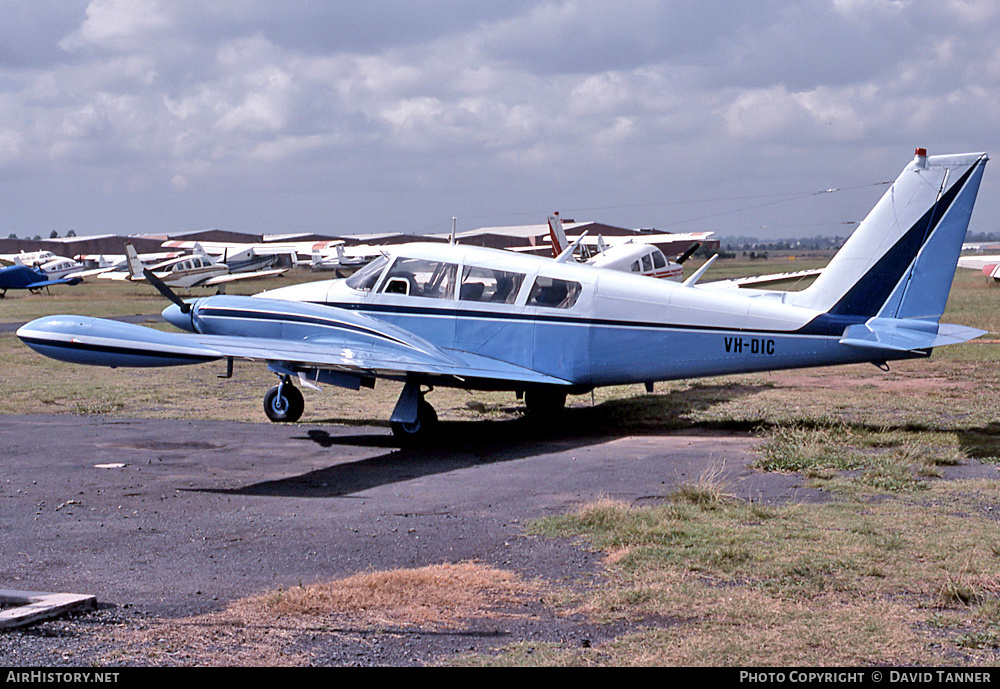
<point x="420" y="429"/>
<point x="283" y="403"/>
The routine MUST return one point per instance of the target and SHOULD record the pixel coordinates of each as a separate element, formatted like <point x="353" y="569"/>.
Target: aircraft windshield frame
<point x="367" y="277"/>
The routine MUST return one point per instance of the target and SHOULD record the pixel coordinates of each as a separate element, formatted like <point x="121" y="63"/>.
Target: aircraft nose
<point x="173" y="315"/>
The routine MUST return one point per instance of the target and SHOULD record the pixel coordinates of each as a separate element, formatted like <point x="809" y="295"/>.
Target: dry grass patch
<point x="437" y="596"/>
<point x="280" y="628"/>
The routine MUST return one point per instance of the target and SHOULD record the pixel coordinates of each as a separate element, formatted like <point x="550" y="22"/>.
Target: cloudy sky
<point x="137" y="116"/>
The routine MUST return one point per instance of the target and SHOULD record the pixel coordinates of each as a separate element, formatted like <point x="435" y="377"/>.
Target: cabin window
<point x="366" y="278"/>
<point x="419" y="277"/>
<point x="647" y="263"/>
<point x="554" y="293"/>
<point x="483" y="284"/>
<point x="659" y="261"/>
<point x="636" y="268"/>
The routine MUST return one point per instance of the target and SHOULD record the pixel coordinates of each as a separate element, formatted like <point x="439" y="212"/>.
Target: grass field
<point x="900" y="567"/>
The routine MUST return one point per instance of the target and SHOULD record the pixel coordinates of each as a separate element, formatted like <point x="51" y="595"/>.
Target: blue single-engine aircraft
<point x="19" y="276"/>
<point x="430" y="314"/>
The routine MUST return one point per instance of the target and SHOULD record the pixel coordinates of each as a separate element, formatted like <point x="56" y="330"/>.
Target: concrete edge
<point x="33" y="606"/>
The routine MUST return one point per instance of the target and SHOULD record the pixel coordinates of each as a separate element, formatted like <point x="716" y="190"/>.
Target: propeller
<point x="163" y="289"/>
<point x="687" y="254"/>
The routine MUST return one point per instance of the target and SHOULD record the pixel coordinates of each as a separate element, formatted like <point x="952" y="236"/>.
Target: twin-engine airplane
<point x="469" y="317"/>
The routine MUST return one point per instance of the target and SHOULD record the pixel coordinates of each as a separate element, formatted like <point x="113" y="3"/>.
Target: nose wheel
<point x="418" y="429"/>
<point x="283" y="403"/>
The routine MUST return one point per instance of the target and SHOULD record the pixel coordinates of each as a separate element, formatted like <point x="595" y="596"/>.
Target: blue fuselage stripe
<point x="823" y="325"/>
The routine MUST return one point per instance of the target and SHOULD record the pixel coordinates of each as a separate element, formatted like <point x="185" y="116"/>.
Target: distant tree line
<point x="978" y="237"/>
<point x="758" y="246"/>
<point x="54" y="234"/>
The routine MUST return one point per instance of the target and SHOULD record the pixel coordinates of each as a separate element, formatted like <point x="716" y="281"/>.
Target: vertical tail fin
<point x="901" y="260"/>
<point x="135" y="266"/>
<point x="557" y="235"/>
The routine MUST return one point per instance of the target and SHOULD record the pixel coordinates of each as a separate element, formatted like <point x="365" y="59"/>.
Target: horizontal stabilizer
<point x="905" y="335"/>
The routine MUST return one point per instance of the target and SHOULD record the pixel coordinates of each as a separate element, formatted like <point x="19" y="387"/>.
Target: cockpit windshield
<point x="366" y="278"/>
<point x="418" y="277"/>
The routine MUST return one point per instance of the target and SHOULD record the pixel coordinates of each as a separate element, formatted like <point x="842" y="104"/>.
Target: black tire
<point x="543" y="403"/>
<point x="419" y="430"/>
<point x="286" y="408"/>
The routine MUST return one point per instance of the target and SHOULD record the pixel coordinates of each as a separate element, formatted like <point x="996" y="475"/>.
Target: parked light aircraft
<point x="190" y="270"/>
<point x="647" y="259"/>
<point x="28" y="258"/>
<point x="469" y="317"/>
<point x="630" y="256"/>
<point x="344" y="258"/>
<point x="20" y="276"/>
<point x="59" y="267"/>
<point x="296" y="251"/>
<point x="53" y="266"/>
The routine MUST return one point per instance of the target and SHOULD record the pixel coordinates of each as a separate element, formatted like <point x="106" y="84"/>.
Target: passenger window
<point x="497" y="286"/>
<point x="658" y="259"/>
<point x="635" y="267"/>
<point x="554" y="293"/>
<point x="647" y="263"/>
<point x="367" y="277"/>
<point x="418" y="277"/>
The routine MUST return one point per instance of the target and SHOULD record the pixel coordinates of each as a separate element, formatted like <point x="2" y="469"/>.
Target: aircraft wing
<point x="758" y="280"/>
<point x="990" y="265"/>
<point x="233" y="277"/>
<point x="68" y="280"/>
<point x="312" y="337"/>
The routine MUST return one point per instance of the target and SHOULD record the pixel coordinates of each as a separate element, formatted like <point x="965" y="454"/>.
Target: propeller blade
<point x="162" y="288"/>
<point x="687" y="254"/>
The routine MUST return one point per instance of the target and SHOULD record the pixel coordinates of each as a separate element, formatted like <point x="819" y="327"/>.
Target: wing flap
<point x="371" y="359"/>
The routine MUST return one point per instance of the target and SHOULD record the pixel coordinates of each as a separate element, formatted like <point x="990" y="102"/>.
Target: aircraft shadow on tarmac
<point x="466" y="444"/>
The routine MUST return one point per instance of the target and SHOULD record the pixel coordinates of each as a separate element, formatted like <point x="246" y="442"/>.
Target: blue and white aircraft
<point x="470" y="317"/>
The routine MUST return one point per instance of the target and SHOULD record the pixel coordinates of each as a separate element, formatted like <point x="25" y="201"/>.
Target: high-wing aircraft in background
<point x="434" y="315"/>
<point x="19" y="276"/>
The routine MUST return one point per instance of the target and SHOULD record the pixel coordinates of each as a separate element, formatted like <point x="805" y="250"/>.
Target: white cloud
<point x="463" y="101"/>
<point x="119" y="24"/>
